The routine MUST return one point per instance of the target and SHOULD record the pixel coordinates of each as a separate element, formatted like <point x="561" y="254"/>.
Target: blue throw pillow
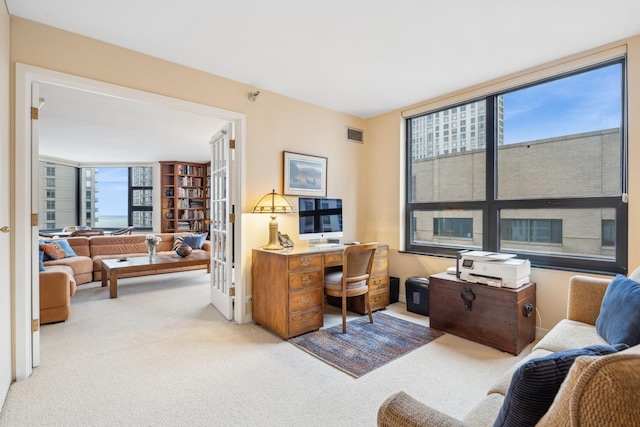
<point x="41" y="266"/>
<point x="195" y="240"/>
<point x="535" y="384"/>
<point x="619" y="318"/>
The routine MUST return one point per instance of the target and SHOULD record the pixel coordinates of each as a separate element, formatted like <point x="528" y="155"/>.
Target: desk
<point x="288" y="287"/>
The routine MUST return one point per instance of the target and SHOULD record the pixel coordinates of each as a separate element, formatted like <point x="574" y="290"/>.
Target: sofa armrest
<point x="402" y="410"/>
<point x="585" y="298"/>
<point x="207" y="245"/>
<point x="55" y="289"/>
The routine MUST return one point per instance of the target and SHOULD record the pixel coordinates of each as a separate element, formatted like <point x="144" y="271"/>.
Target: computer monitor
<point x="320" y="219"/>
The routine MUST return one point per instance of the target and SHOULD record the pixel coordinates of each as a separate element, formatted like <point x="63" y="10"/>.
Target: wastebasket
<point x="417" y="293"/>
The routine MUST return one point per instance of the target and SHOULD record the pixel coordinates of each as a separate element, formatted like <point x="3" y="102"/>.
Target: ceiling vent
<point x="355" y="135"/>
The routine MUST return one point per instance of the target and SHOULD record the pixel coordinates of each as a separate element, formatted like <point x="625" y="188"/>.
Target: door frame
<point x="24" y="262"/>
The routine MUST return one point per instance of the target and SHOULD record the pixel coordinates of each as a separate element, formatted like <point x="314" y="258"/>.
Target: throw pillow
<point x="53" y="250"/>
<point x="195" y="240"/>
<point x="535" y="384"/>
<point x="66" y="247"/>
<point x="619" y="318"/>
<point x="177" y="241"/>
<point x="41" y="265"/>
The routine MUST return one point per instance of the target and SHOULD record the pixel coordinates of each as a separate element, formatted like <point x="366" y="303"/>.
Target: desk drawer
<point x="305" y="278"/>
<point x="305" y="298"/>
<point x="333" y="258"/>
<point x="305" y="321"/>
<point x="305" y="262"/>
<point x="378" y="282"/>
<point x="380" y="266"/>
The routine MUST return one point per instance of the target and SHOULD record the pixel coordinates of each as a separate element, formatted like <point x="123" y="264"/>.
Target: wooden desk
<point x="288" y="287"/>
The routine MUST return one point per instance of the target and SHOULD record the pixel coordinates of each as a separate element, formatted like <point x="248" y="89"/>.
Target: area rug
<point x="365" y="346"/>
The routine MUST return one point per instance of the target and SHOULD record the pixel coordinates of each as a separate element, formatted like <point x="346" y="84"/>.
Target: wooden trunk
<point x="502" y="318"/>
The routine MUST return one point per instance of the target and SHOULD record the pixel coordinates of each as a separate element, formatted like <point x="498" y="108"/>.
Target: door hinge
<point x="232" y="292"/>
<point x="34" y="113"/>
<point x="35" y="325"/>
<point x="232" y="143"/>
<point x="232" y="218"/>
<point x="34" y="219"/>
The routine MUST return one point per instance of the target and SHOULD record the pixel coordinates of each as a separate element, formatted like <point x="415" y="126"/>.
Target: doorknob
<point x="5" y="229"/>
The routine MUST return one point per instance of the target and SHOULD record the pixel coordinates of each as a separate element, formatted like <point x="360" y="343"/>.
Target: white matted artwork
<point x="305" y="175"/>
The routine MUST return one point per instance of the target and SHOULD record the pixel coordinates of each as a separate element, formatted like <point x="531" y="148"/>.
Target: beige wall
<point x="387" y="138"/>
<point x="368" y="176"/>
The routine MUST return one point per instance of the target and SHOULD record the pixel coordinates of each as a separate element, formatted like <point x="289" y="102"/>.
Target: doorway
<point x="25" y="209"/>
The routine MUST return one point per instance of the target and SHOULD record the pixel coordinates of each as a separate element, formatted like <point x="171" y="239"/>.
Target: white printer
<point x="493" y="269"/>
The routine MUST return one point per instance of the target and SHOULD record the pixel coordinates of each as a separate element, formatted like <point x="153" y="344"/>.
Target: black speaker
<point x="394" y="289"/>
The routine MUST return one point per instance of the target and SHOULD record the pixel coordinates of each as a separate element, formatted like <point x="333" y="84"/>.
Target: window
<point x="532" y="230"/>
<point x="608" y="232"/>
<point x="453" y="227"/>
<point x="544" y="176"/>
<point x="51" y="204"/>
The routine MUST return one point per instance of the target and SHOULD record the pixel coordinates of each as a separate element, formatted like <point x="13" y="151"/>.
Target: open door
<point x="36" y="103"/>
<point x="221" y="221"/>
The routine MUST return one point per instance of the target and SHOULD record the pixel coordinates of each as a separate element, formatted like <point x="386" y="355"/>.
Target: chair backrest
<point x="123" y="231"/>
<point x="71" y="228"/>
<point x="358" y="261"/>
<point x="91" y="232"/>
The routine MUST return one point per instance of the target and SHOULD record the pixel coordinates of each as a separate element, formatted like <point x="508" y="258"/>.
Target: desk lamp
<point x="273" y="203"/>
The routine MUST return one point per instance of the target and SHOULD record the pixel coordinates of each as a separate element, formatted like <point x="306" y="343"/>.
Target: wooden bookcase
<point x="184" y="193"/>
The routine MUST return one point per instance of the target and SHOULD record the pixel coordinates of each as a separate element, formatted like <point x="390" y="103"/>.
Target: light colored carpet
<point x="161" y="355"/>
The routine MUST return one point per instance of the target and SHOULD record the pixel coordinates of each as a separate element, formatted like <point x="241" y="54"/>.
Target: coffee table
<point x="112" y="269"/>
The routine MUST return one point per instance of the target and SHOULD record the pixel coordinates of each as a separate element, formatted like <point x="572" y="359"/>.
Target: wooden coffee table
<point x="140" y="266"/>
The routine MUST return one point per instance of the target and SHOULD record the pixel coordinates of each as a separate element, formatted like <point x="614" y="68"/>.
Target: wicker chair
<point x="123" y="231"/>
<point x="90" y="232"/>
<point x="353" y="280"/>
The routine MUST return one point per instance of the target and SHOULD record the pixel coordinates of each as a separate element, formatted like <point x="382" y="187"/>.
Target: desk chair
<point x="353" y="280"/>
<point x="91" y="232"/>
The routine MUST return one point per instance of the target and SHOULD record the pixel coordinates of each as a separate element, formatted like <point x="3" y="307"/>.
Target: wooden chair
<point x="91" y="232"/>
<point x="353" y="280"/>
<point x="123" y="231"/>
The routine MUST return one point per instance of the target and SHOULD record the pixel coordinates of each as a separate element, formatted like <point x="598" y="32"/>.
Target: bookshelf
<point x="184" y="192"/>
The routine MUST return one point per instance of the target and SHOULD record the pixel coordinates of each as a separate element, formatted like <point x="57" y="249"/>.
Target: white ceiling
<point x="362" y="57"/>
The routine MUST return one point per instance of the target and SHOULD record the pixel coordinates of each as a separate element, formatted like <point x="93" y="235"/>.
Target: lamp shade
<point x="273" y="203"/>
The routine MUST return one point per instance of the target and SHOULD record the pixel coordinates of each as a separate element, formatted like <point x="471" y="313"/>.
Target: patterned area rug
<point x="365" y="346"/>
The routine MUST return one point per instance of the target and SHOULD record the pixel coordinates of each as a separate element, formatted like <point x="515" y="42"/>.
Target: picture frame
<point x="304" y="175"/>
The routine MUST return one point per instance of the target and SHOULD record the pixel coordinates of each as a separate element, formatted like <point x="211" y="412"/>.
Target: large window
<point x="539" y="171"/>
<point x="108" y="198"/>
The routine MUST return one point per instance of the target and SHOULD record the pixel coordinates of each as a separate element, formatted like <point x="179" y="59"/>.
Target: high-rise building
<point x="455" y="130"/>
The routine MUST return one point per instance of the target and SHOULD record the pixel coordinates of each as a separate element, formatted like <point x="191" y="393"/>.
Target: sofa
<point x="578" y="401"/>
<point x="60" y="277"/>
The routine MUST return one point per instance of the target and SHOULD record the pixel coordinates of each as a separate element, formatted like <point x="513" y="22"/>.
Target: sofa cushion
<point x="619" y="319"/>
<point x="568" y="334"/>
<point x="535" y="384"/>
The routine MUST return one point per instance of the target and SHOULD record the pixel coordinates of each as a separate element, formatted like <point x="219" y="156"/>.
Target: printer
<point x="493" y="269"/>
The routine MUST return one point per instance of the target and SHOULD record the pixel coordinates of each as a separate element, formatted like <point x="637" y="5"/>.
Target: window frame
<point x="492" y="206"/>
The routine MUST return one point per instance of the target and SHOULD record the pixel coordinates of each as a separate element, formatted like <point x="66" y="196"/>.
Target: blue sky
<point x="581" y="103"/>
<point x="112" y="191"/>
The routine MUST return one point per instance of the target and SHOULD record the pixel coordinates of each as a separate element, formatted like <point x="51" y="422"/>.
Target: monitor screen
<point x="319" y="218"/>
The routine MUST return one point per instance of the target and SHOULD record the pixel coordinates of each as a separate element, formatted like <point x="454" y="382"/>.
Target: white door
<point x="35" y="282"/>
<point x="6" y="365"/>
<point x="221" y="226"/>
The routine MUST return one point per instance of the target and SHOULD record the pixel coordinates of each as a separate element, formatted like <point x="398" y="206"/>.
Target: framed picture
<point x="305" y="175"/>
